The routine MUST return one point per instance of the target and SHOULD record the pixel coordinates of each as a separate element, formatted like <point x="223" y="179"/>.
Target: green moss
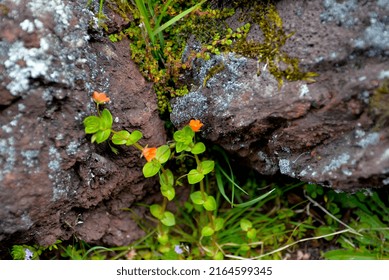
<point x="213" y="71"/>
<point x="280" y="64"/>
<point x="121" y="7"/>
<point x="379" y="105"/>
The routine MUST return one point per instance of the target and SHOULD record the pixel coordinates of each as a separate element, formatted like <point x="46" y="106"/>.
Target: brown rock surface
<point x="53" y="182"/>
<point x="329" y="132"/>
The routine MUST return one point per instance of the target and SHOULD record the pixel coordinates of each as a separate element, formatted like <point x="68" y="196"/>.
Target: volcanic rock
<point x="54" y="183"/>
<point x="332" y="132"/>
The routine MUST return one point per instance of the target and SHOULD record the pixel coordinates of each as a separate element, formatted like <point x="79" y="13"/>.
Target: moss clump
<point x="379" y="105"/>
<point x="213" y="71"/>
<point x="120" y="7"/>
<point x="280" y="64"/>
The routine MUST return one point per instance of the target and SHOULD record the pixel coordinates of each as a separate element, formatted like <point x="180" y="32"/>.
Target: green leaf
<point x="121" y="137"/>
<point x="252" y="233"/>
<point x="210" y="203"/>
<point x="350" y="254"/>
<point x="195" y="176"/>
<point x="255" y="200"/>
<point x="198" y="148"/>
<point x="207" y="231"/>
<point x="106" y="119"/>
<point x="219" y="223"/>
<point x="166" y="178"/>
<point x="184" y="135"/>
<point x="163" y="154"/>
<point x="197" y="198"/>
<point x="245" y="224"/>
<point x="179" y="136"/>
<point x="145" y="17"/>
<point x="114" y="150"/>
<point x="207" y="166"/>
<point x="134" y="137"/>
<point x="244" y="247"/>
<point x="218" y="174"/>
<point x="93" y="139"/>
<point x="156" y="211"/>
<point x="182" y="147"/>
<point x="163" y="239"/>
<point x="151" y="168"/>
<point x="168" y="219"/>
<point x="102" y="135"/>
<point x="92" y="124"/>
<point x="168" y="192"/>
<point x="18" y="252"/>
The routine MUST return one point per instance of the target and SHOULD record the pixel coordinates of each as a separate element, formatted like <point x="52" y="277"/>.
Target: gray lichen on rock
<point x="26" y="64"/>
<point x="340" y="12"/>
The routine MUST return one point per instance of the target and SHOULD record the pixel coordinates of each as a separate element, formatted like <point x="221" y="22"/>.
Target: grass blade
<point x="145" y="19"/>
<point x="163" y="13"/>
<point x="220" y="185"/>
<point x="176" y="18"/>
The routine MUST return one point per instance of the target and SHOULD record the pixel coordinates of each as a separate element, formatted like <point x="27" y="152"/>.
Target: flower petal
<point x="195" y="125"/>
<point x="149" y="153"/>
<point x="100" y="97"/>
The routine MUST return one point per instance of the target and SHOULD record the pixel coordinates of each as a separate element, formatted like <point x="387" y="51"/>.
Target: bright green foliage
<point x="207" y="231"/>
<point x="163" y="154"/>
<point x="151" y="168"/>
<point x="163" y="239"/>
<point x="168" y="192"/>
<point x="157" y="211"/>
<point x="251" y="234"/>
<point x="220" y="213"/>
<point x="206" y="166"/>
<point x="198" y="197"/>
<point x="245" y="224"/>
<point x="92" y="124"/>
<point x="168" y="219"/>
<point x="195" y="176"/>
<point x="19" y="252"/>
<point x="99" y="126"/>
<point x="210" y="204"/>
<point x="167" y="184"/>
<point x="265" y="231"/>
<point x="219" y="224"/>
<point x="25" y="252"/>
<point x="198" y="148"/>
<point x="183" y="138"/>
<point x="123" y="137"/>
<point x="184" y="144"/>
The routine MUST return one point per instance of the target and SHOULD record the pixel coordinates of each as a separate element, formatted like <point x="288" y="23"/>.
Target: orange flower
<point x="149" y="153"/>
<point x="100" y="97"/>
<point x="195" y="125"/>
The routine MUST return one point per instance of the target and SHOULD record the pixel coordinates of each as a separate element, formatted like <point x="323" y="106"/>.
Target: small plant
<point x="184" y="145"/>
<point x="152" y="23"/>
<point x="26" y="252"/>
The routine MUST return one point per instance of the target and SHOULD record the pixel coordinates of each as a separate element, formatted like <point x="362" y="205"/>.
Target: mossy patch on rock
<point x="379" y="105"/>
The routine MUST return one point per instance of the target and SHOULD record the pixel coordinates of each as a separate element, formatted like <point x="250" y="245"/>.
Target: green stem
<point x="209" y="213"/>
<point x="98" y="109"/>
